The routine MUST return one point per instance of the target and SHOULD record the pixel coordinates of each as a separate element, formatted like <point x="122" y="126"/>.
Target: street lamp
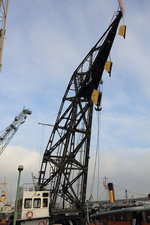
<point x="20" y="168"/>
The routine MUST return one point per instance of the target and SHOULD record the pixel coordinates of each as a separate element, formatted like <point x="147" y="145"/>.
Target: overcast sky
<point x="45" y="41"/>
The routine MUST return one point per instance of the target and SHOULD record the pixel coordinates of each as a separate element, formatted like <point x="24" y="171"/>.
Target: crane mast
<point x="3" y="16"/>
<point x="64" y="167"/>
<point x="7" y="134"/>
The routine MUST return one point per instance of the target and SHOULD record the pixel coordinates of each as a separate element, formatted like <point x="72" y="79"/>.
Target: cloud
<point x="11" y="158"/>
<point x="121" y="170"/>
<point x="124" y="171"/>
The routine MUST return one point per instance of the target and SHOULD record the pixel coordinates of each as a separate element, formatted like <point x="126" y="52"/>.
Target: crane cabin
<point x="33" y="205"/>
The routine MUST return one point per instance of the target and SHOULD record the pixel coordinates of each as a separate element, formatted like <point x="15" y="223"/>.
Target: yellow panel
<point x="108" y="66"/>
<point x="122" y="30"/>
<point x="95" y="96"/>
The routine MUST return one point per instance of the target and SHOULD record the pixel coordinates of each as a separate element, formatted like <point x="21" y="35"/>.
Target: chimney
<point x="111" y="192"/>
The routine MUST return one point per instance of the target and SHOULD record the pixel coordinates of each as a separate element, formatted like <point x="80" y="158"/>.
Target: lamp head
<point x="20" y="168"/>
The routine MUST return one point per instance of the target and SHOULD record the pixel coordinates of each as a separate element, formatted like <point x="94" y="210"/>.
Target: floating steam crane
<point x="7" y="134"/>
<point x="64" y="168"/>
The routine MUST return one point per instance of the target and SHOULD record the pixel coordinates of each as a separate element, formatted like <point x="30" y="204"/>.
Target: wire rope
<point x="97" y="159"/>
<point x="97" y="150"/>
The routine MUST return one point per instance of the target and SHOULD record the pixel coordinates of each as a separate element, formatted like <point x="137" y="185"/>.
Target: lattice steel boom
<point x="64" y="168"/>
<point x="7" y="134"/>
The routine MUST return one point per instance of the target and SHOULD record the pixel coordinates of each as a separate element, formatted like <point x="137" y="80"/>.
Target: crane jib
<point x="94" y="74"/>
<point x="64" y="168"/>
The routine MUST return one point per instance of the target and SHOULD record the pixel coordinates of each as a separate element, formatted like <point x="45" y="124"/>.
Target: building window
<point x="36" y="203"/>
<point x="28" y="203"/>
<point x="45" y="202"/>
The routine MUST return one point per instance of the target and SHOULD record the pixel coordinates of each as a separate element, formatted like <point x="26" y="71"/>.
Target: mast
<point x="64" y="167"/>
<point x="3" y="16"/>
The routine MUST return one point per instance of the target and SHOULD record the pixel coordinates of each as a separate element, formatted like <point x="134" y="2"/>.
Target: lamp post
<point x="20" y="168"/>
